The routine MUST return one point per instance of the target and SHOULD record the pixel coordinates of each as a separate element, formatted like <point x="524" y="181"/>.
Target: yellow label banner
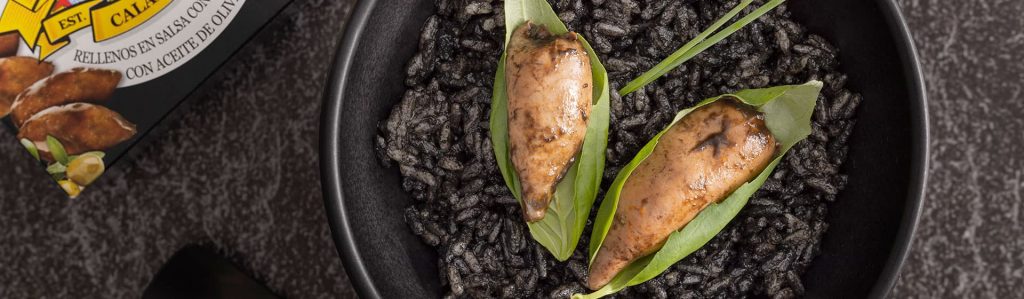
<point x="48" y="45"/>
<point x="31" y="4"/>
<point x="25" y="19"/>
<point x="41" y="24"/>
<point x="69" y="20"/>
<point x="118" y="17"/>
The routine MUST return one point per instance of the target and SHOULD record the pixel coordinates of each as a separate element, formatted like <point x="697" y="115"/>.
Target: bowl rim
<point x="330" y="143"/>
<point x="919" y="122"/>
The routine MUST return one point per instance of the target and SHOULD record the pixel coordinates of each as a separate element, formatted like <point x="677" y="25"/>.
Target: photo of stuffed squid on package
<point x="81" y="82"/>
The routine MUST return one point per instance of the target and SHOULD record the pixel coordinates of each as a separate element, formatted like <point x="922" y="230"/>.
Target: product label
<point x="83" y="81"/>
<point x="143" y="39"/>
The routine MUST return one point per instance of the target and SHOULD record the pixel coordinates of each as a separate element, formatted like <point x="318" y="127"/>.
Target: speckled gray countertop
<point x="970" y="240"/>
<point x="257" y="197"/>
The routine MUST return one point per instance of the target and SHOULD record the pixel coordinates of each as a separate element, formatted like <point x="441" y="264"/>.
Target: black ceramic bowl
<point x="870" y="225"/>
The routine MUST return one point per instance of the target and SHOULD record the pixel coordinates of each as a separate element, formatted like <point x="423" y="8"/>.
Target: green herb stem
<point x="57" y="150"/>
<point x="699" y="44"/>
<point x="31" y="148"/>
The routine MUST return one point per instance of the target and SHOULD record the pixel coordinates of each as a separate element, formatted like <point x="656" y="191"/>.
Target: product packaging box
<point x="82" y="82"/>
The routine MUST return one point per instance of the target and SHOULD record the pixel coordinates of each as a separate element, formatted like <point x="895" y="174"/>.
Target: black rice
<point x="438" y="139"/>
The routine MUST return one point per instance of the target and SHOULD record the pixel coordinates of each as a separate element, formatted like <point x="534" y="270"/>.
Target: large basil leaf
<point x="787" y="111"/>
<point x="567" y="215"/>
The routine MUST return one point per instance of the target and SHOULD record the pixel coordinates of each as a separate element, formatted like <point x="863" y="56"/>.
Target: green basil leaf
<point x="30" y="147"/>
<point x="56" y="168"/>
<point x="787" y="111"/>
<point x="698" y="44"/>
<point x="567" y="215"/>
<point x="57" y="150"/>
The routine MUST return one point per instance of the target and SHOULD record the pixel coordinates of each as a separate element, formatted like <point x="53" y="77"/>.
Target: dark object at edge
<point x="196" y="272"/>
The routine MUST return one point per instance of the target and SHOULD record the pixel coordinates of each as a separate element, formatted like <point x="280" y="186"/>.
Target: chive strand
<point x="725" y="33"/>
<point x="699" y="44"/>
<point x="665" y="65"/>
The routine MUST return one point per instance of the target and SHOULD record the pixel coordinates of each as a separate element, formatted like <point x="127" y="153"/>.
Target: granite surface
<point x="257" y="197"/>
<point x="969" y="241"/>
